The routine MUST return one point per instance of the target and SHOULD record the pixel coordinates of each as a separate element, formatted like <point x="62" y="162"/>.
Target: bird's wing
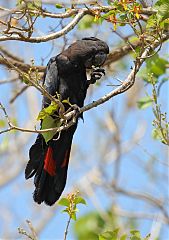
<point x="51" y="80"/>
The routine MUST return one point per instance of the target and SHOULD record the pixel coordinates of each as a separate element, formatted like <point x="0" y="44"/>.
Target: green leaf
<point x="109" y="235"/>
<point x="108" y="14"/>
<point x="19" y="2"/>
<point x="51" y="109"/>
<point x="64" y="202"/>
<point x="66" y="210"/>
<point x="49" y="122"/>
<point x="89" y="226"/>
<point x="135" y="238"/>
<point x="123" y="237"/>
<point x="109" y="2"/>
<point x="67" y="102"/>
<point x="57" y="5"/>
<point x="156" y="65"/>
<point x="135" y="233"/>
<point x="165" y="24"/>
<point x="156" y="134"/>
<point x="123" y="19"/>
<point x="155" y="68"/>
<point x="147" y="237"/>
<point x="31" y="5"/>
<point x="73" y="216"/>
<point x="86" y="22"/>
<point x="2" y="123"/>
<point x="152" y="22"/>
<point x="163" y="10"/>
<point x="80" y="200"/>
<point x="25" y="78"/>
<point x="144" y="102"/>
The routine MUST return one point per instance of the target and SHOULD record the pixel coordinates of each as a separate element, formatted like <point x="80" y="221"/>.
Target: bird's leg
<point x="96" y="75"/>
<point x="76" y="109"/>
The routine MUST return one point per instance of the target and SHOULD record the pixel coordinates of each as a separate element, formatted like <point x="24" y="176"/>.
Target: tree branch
<point x="79" y="13"/>
<point x="114" y="56"/>
<point x="128" y="83"/>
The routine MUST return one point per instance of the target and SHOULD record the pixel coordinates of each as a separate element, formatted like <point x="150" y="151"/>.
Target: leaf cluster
<point x="122" y="13"/>
<point x="51" y="118"/>
<point x="115" y="235"/>
<point x="160" y="19"/>
<point x="71" y="202"/>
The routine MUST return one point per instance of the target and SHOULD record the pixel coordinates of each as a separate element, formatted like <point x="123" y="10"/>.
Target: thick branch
<point x="120" y="52"/>
<point x="20" y="65"/>
<point x="114" y="56"/>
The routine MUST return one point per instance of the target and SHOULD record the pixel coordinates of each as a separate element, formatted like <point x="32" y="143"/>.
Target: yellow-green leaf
<point x="64" y="202"/>
<point x="80" y="200"/>
<point x="57" y="5"/>
<point x="2" y="123"/>
<point x="51" y="109"/>
<point x="145" y="102"/>
<point x="73" y="216"/>
<point x="49" y="122"/>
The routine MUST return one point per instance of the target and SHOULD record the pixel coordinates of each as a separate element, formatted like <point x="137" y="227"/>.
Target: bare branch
<point x="51" y="36"/>
<point x="10" y="80"/>
<point x="8" y="54"/>
<point x="79" y="15"/>
<point x="139" y="215"/>
<point x="18" y="94"/>
<point x="145" y="197"/>
<point x="114" y="56"/>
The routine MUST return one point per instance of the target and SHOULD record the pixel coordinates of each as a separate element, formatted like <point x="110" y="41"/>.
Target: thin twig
<point x="10" y="80"/>
<point x="18" y="93"/>
<point x="66" y="230"/>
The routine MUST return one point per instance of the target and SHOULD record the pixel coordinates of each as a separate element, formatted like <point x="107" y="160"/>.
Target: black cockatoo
<point x="65" y="75"/>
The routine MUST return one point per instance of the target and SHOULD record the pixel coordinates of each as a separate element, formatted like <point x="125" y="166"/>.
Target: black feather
<point x="66" y="75"/>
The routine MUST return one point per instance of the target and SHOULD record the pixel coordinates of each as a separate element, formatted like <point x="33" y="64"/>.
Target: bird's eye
<point x="99" y="58"/>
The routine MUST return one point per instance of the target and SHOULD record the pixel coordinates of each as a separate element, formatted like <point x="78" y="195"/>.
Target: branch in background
<point x="145" y="197"/>
<point x="32" y="235"/>
<point x="10" y="55"/>
<point x="139" y="215"/>
<point x="120" y="52"/>
<point x="10" y="62"/>
<point x="10" y="80"/>
<point x="114" y="56"/>
<point x="18" y="94"/>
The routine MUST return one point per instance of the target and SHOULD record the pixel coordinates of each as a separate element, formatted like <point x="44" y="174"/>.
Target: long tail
<point x="49" y="164"/>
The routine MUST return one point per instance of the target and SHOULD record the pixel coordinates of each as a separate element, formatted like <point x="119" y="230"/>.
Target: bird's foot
<point x="76" y="112"/>
<point x="96" y="74"/>
<point x="76" y="108"/>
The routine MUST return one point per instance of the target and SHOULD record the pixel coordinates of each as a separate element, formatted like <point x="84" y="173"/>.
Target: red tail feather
<point x="66" y="159"/>
<point x="49" y="163"/>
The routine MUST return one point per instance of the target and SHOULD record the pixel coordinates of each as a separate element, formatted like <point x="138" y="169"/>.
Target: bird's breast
<point x="73" y="89"/>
